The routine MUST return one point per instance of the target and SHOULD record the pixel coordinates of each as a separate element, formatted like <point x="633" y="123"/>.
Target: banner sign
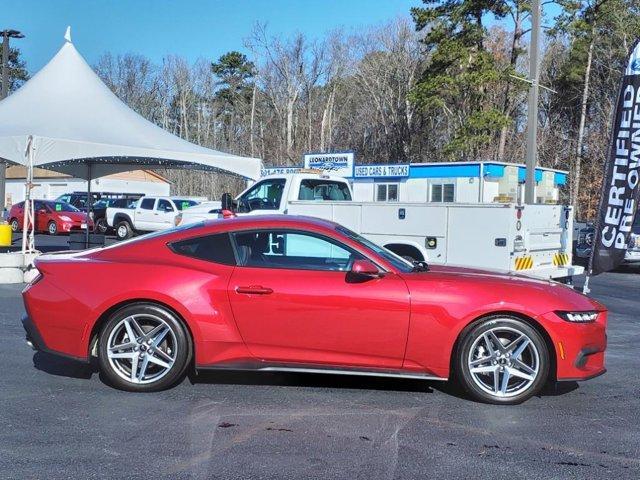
<point x="340" y="164"/>
<point x="381" y="171"/>
<point x="278" y="170"/>
<point x="620" y="192"/>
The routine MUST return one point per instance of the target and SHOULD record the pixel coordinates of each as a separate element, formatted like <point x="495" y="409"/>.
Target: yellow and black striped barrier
<point x="524" y="263"/>
<point x="560" y="259"/>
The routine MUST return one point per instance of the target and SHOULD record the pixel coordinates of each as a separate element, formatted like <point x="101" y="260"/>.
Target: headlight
<point x="64" y="218"/>
<point x="578" y="317"/>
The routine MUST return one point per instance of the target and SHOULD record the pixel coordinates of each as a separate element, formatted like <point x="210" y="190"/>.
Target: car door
<point x="42" y="215"/>
<point x="164" y="214"/>
<point x="145" y="214"/>
<point x="295" y="301"/>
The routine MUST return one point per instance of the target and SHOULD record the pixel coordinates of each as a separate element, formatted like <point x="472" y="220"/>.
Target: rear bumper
<point x="546" y="273"/>
<point x="37" y="343"/>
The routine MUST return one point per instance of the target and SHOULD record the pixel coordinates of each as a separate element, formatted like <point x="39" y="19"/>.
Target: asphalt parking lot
<point x="58" y="420"/>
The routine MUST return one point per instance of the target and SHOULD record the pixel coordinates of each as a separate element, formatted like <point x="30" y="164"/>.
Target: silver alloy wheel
<point x="142" y="348"/>
<point x="53" y="228"/>
<point x="15" y="226"/>
<point x="503" y="362"/>
<point x="122" y="231"/>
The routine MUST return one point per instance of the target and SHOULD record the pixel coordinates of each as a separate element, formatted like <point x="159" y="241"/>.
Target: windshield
<point x="62" y="207"/>
<point x="184" y="204"/>
<point x="395" y="260"/>
<point x="320" y="189"/>
<point x="264" y="195"/>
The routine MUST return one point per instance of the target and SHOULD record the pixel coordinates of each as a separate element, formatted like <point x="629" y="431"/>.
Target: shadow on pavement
<point x="313" y="380"/>
<point x="63" y="367"/>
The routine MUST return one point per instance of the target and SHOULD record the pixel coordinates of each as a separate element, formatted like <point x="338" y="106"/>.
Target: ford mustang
<point x="294" y="294"/>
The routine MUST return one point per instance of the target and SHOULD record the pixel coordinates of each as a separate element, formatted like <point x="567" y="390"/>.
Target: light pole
<point x="532" y="113"/>
<point x="4" y="91"/>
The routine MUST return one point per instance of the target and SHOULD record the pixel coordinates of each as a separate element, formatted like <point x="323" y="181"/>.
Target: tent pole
<point x="26" y="209"/>
<point x="89" y="202"/>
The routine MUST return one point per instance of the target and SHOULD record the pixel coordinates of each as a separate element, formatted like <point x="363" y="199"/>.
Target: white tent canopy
<point x="81" y="128"/>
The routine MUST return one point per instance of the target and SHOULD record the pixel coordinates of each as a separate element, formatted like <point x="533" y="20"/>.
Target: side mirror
<point x="227" y="202"/>
<point x="365" y="268"/>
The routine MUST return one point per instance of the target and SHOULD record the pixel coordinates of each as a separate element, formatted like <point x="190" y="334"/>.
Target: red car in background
<point x="293" y="294"/>
<point x="51" y="217"/>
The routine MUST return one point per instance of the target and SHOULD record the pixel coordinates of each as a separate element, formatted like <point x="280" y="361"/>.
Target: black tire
<point x="179" y="338"/>
<point x="124" y="230"/>
<point x="52" y="228"/>
<point x="15" y="225"/>
<point x="536" y="354"/>
<point x="101" y="226"/>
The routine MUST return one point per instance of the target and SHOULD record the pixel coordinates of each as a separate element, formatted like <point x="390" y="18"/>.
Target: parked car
<point x="99" y="210"/>
<point x="51" y="217"/>
<point x="586" y="236"/>
<point x="149" y="214"/>
<point x="296" y="294"/>
<point x="78" y="199"/>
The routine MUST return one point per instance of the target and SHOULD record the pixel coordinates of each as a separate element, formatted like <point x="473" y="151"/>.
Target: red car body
<point x="65" y="217"/>
<point x="403" y="322"/>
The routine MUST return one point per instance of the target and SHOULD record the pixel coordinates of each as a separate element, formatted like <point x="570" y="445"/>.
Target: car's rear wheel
<point x="502" y="360"/>
<point x="52" y="228"/>
<point x="143" y="348"/>
<point x="123" y="230"/>
<point x="15" y="225"/>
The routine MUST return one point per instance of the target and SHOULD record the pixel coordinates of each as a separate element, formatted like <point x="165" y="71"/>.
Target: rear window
<point x="212" y="248"/>
<point x="312" y="189"/>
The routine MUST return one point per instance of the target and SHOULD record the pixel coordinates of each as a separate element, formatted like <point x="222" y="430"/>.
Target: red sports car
<point x="283" y="293"/>
<point x="51" y="217"/>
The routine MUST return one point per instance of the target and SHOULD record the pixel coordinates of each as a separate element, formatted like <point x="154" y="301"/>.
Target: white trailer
<point x="534" y="240"/>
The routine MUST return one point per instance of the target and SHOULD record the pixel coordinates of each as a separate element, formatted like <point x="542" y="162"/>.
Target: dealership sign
<point x="340" y="164"/>
<point x="279" y="170"/>
<point x="381" y="171"/>
<point x="620" y="188"/>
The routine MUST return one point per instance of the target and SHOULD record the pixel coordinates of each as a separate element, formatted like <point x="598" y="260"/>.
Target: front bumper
<point x="580" y="347"/>
<point x="36" y="342"/>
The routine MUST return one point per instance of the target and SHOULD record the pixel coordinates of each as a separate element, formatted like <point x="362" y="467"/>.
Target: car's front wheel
<point x="502" y="360"/>
<point x="52" y="228"/>
<point x="143" y="348"/>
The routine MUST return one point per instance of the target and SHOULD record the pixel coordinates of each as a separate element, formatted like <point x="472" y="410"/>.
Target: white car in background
<point x="200" y="212"/>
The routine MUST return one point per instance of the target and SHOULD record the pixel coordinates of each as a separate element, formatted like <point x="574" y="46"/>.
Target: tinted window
<point x="265" y="195"/>
<point x="147" y="203"/>
<point x="184" y="204"/>
<point x="292" y="250"/>
<point x="212" y="248"/>
<point x="312" y="189"/>
<point x="61" y="207"/>
<point x="164" y="206"/>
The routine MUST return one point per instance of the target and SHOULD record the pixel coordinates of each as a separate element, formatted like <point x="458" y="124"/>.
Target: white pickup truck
<point x="534" y="240"/>
<point x="148" y="214"/>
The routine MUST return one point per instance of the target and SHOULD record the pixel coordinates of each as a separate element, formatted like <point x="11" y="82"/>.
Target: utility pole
<point x="6" y="35"/>
<point x="532" y="112"/>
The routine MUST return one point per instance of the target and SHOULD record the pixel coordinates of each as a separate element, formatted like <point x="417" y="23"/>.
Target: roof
<point x="79" y="127"/>
<point x="18" y="172"/>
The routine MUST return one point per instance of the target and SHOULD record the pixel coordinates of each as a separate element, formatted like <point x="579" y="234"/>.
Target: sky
<point x="190" y="28"/>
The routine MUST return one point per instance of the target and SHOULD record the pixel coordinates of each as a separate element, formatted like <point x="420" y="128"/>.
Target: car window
<point x="312" y="189"/>
<point x="184" y="204"/>
<point x="164" y="205"/>
<point x="398" y="262"/>
<point x="61" y="207"/>
<point x="264" y="195"/>
<point x="147" y="203"/>
<point x="292" y="250"/>
<point x="212" y="248"/>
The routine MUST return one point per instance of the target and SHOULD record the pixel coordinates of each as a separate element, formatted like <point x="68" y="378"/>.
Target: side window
<point x="164" y="205"/>
<point x="292" y="250"/>
<point x="147" y="203"/>
<point x="442" y="192"/>
<point x="212" y="248"/>
<point x="386" y="192"/>
<point x="311" y="189"/>
<point x="265" y="195"/>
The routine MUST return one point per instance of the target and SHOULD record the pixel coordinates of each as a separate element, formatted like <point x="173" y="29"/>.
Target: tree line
<point x="447" y="82"/>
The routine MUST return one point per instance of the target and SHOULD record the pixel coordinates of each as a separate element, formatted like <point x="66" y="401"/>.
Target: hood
<point x="75" y="216"/>
<point x="501" y="290"/>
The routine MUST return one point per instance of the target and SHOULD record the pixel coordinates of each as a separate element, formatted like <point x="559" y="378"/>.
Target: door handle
<point x="255" y="290"/>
